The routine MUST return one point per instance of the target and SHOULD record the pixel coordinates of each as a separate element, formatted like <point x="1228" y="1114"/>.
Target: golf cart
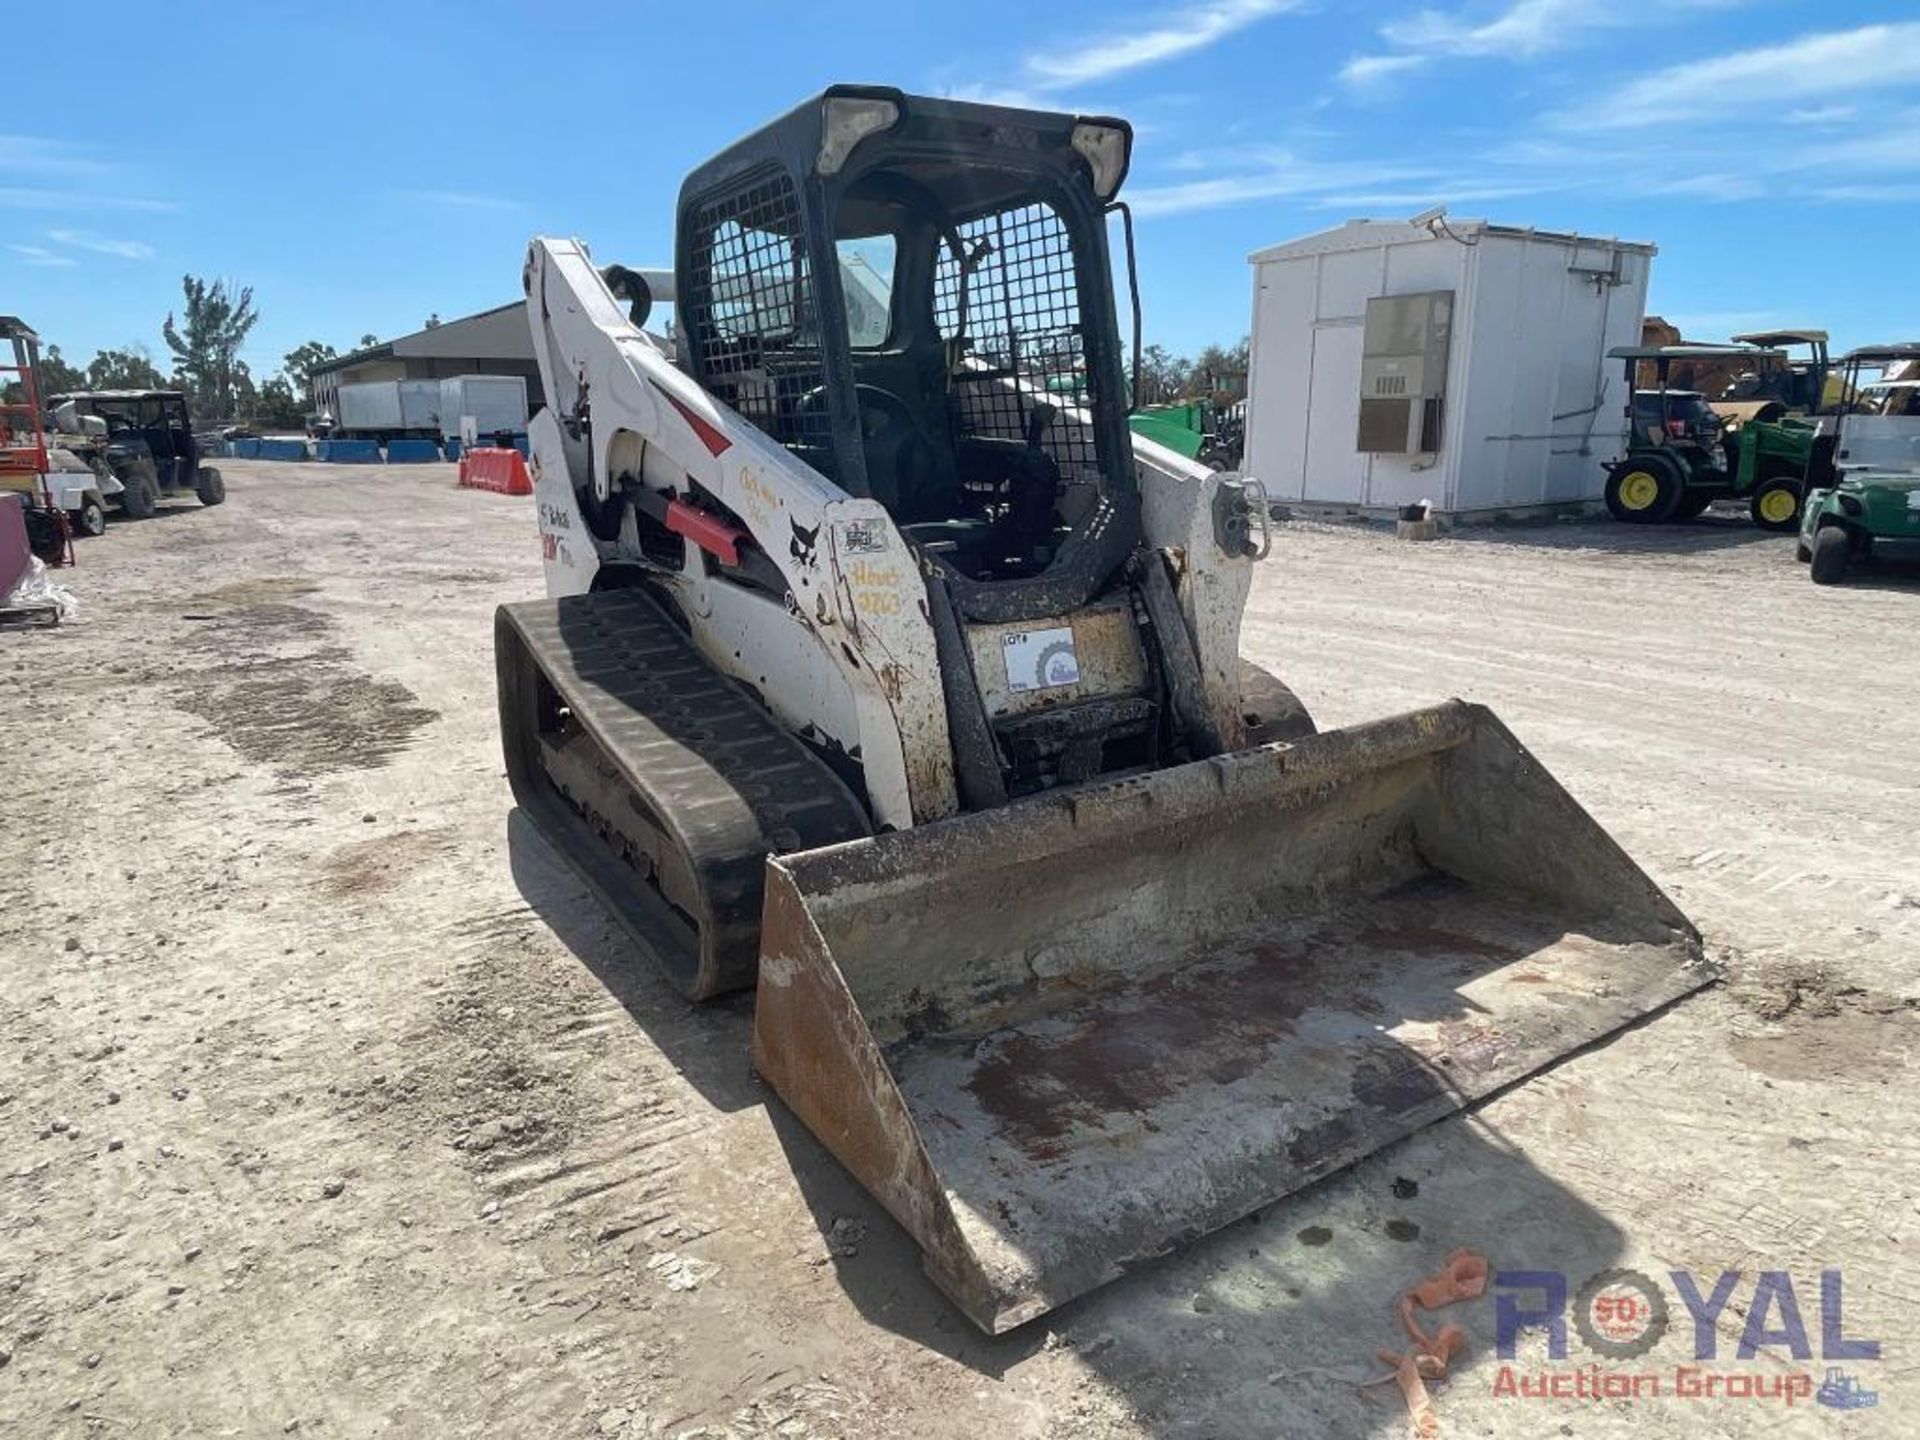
<point x="1873" y="500"/>
<point x="141" y="438"/>
<point x="62" y="496"/>
<point x="1800" y="385"/>
<point x="78" y="490"/>
<point x="1682" y="456"/>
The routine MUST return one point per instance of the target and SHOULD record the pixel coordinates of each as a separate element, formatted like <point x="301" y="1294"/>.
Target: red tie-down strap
<point x="709" y="532"/>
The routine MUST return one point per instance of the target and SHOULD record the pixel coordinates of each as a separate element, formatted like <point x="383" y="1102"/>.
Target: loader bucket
<point x="1062" y="1037"/>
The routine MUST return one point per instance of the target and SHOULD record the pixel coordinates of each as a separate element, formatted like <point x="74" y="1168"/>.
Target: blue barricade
<point x="347" y="452"/>
<point x="412" y="452"/>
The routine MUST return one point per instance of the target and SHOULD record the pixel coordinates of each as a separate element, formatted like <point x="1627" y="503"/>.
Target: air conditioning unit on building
<point x="1403" y="373"/>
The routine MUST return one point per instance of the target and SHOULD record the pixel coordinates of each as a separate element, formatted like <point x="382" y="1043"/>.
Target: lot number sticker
<point x="1040" y="659"/>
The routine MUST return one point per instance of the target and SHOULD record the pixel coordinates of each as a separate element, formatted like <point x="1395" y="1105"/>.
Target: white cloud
<point x="1449" y="192"/>
<point x="1179" y="33"/>
<point x="1823" y="115"/>
<point x="1705" y="164"/>
<point x="1369" y="72"/>
<point x="1012" y="97"/>
<point x="1830" y="82"/>
<point x="1517" y="30"/>
<point x="1894" y="194"/>
<point x="1268" y="175"/>
<point x="1811" y="67"/>
<point x="28" y="197"/>
<point x="40" y="255"/>
<point x="100" y="245"/>
<point x="1527" y="27"/>
<point x="37" y="155"/>
<point x="465" y="199"/>
<point x="1887" y="148"/>
<point x="1722" y="187"/>
<point x="37" y="173"/>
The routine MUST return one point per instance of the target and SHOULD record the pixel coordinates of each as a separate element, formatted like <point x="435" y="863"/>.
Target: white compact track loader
<point x="885" y="670"/>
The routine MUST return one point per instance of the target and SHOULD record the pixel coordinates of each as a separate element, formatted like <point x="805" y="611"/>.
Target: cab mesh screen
<point x="751" y="319"/>
<point x="1025" y="344"/>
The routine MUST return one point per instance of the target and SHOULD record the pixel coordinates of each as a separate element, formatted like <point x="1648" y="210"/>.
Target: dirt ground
<point x="330" y="1104"/>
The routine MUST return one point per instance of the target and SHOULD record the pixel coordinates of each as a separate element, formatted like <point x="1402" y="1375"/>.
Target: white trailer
<point x="497" y="403"/>
<point x="384" y="409"/>
<point x="1456" y="362"/>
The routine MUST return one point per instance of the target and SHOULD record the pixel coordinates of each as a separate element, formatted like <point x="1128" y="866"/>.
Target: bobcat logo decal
<point x="804" y="544"/>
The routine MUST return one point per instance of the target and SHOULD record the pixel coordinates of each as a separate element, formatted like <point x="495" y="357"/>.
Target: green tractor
<point x="1208" y="423"/>
<point x="1872" y="503"/>
<point x="1804" y="387"/>
<point x="1202" y="430"/>
<point x="1682" y="455"/>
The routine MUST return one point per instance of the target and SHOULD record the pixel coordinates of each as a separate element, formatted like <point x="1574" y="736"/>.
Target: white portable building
<point x="1458" y="362"/>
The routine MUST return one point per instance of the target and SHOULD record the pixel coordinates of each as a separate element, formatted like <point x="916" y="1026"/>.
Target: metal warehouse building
<point x="1461" y="363"/>
<point x="494" y="342"/>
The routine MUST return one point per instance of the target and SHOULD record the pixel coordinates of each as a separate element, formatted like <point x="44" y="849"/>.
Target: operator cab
<point x="1795" y="383"/>
<point x="969" y="365"/>
<point x="915" y="297"/>
<point x="1661" y="417"/>
<point x="1660" y="414"/>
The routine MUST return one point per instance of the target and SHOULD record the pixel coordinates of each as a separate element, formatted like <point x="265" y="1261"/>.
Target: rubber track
<point x="717" y="771"/>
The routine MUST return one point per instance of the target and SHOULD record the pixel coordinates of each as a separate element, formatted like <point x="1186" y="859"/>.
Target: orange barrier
<point x="487" y="468"/>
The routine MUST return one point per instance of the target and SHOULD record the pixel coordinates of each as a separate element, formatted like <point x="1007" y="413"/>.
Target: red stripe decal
<point x="709" y="433"/>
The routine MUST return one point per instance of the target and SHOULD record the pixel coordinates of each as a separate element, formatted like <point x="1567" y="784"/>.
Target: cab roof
<point x="793" y="141"/>
<point x="1685" y="352"/>
<point x="1878" y="354"/>
<point x="116" y="395"/>
<point x="1771" y="338"/>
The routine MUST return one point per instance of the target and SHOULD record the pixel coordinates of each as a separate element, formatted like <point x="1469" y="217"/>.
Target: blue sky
<point x="363" y="165"/>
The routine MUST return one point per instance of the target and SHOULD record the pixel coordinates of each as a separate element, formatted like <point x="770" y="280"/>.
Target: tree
<point x="246" y="399"/>
<point x="1162" y="376"/>
<point x="433" y="321"/>
<point x="206" y="343"/>
<point x="54" y="377"/>
<point x="300" y="365"/>
<point x="369" y="340"/>
<point x="279" y="404"/>
<point x="1221" y="372"/>
<point x="128" y="369"/>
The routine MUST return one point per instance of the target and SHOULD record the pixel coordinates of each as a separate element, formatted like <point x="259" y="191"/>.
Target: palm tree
<point x="206" y="343"/>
